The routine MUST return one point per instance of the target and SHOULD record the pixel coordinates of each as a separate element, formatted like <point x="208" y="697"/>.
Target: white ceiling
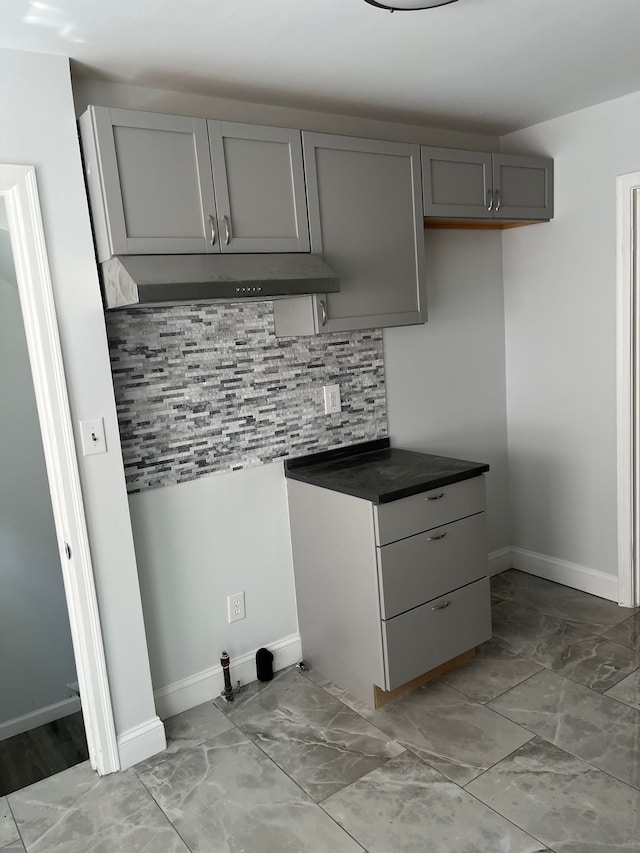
<point x="486" y="65"/>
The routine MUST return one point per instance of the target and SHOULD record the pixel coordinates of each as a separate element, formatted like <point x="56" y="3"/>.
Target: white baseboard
<point x="141" y="742"/>
<point x="569" y="574"/>
<point x="500" y="561"/>
<point x="207" y="684"/>
<point x="39" y="717"/>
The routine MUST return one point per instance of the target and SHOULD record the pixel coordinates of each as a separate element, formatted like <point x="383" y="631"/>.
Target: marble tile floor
<point x="533" y="746"/>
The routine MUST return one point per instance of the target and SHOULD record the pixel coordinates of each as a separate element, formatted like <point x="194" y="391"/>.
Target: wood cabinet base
<point x="383" y="697"/>
<point x="479" y="224"/>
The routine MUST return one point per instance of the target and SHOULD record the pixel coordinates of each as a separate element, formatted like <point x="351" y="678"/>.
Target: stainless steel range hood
<point x="157" y="280"/>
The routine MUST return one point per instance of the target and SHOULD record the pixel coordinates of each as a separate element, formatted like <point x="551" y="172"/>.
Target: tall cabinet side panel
<point x="336" y="586"/>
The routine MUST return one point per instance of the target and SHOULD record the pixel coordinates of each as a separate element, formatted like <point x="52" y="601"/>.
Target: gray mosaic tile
<point x="203" y="389"/>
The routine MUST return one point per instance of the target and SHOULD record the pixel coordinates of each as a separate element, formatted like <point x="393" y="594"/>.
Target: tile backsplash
<point x="204" y="389"/>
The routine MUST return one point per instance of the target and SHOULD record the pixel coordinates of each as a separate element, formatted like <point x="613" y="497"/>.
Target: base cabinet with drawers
<point x="387" y="592"/>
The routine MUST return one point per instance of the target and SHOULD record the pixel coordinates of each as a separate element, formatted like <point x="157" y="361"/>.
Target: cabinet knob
<point x="436" y="536"/>
<point x="442" y="605"/>
<point x="435" y="497"/>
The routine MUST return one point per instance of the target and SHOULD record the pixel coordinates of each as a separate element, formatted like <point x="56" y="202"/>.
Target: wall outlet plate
<point x="332" y="402"/>
<point x="235" y="607"/>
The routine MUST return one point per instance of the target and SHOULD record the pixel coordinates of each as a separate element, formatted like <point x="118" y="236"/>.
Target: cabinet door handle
<point x="227" y="230"/>
<point x="435" y="497"/>
<point x="323" y="313"/>
<point x="436" y="536"/>
<point x="442" y="605"/>
<point x="489" y="200"/>
<point x="212" y="226"/>
<point x="498" y="198"/>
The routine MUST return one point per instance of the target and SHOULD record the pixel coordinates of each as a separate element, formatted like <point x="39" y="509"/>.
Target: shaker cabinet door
<point x="523" y="187"/>
<point x="259" y="184"/>
<point x="365" y="219"/>
<point x="157" y="182"/>
<point x="456" y="184"/>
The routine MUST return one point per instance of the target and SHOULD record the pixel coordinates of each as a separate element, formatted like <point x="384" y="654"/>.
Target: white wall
<point x="560" y="297"/>
<point x="38" y="128"/>
<point x="37" y="662"/>
<point x="446" y="380"/>
<point x="198" y="542"/>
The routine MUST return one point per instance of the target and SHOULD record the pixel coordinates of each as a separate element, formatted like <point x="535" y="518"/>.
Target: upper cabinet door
<point x="365" y="219"/>
<point x="260" y="192"/>
<point x="157" y="187"/>
<point x="523" y="187"/>
<point x="456" y="183"/>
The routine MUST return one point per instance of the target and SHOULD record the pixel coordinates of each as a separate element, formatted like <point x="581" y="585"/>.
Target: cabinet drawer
<point x="411" y="515"/>
<point x="422" y="567"/>
<point x="427" y="636"/>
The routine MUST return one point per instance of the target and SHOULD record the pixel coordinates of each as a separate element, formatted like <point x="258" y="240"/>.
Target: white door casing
<point x="628" y="386"/>
<point x="19" y="189"/>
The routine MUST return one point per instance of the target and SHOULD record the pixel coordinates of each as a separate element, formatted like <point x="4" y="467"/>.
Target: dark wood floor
<point x="40" y="753"/>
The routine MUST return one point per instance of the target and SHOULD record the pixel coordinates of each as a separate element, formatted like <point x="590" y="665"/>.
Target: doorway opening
<point x="41" y="729"/>
<point x="18" y="191"/>
<point x="628" y="387"/>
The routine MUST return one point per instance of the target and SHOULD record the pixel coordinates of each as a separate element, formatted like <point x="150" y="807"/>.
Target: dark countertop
<point x="380" y="473"/>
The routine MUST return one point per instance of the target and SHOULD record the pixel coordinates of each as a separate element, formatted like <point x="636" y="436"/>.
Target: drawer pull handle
<point x="435" y="537"/>
<point x="435" y="497"/>
<point x="441" y="606"/>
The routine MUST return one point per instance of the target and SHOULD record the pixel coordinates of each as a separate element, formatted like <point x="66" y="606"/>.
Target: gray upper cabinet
<point x="365" y="219"/>
<point x="153" y="189"/>
<point x="478" y="185"/>
<point x="150" y="182"/>
<point x="522" y="187"/>
<point x="259" y="184"/>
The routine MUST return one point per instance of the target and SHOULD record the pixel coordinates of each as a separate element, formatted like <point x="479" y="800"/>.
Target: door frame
<point x="628" y="385"/>
<point x="19" y="189"/>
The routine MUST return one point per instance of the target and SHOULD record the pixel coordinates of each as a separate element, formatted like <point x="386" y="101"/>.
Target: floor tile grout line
<point x="564" y="749"/>
<point x="166" y="816"/>
<point x="15" y="823"/>
<point x="496" y="812"/>
<point x="562" y="675"/>
<point x="298" y="785"/>
<point x="255" y="742"/>
<point x="556" y="583"/>
<point x="508" y="647"/>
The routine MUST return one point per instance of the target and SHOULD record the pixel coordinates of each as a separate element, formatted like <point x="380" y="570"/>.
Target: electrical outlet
<point x="235" y="607"/>
<point x="332" y="402"/>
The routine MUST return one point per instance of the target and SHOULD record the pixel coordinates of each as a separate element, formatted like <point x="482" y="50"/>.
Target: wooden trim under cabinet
<point x="477" y="224"/>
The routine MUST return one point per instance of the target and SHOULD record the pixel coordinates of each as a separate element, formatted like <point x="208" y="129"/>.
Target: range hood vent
<point x="159" y="280"/>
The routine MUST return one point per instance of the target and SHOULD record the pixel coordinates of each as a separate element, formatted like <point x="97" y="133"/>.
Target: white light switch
<point x="93" y="438"/>
<point x="332" y="402"/>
